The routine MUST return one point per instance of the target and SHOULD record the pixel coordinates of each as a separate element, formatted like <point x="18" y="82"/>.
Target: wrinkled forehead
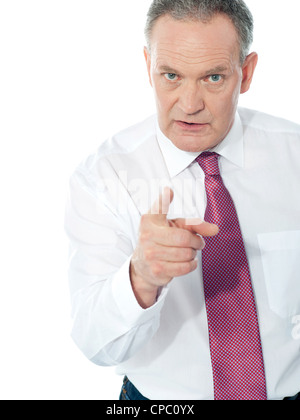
<point x="193" y="40"/>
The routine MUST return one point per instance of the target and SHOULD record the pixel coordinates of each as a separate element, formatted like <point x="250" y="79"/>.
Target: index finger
<point x="160" y="207"/>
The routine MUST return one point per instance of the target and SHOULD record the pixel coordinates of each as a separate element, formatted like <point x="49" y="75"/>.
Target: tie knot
<point x="209" y="162"/>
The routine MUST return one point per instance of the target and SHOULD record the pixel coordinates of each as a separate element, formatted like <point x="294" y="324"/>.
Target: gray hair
<point x="205" y="10"/>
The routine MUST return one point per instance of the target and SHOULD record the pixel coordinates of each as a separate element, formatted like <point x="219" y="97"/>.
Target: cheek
<point x="226" y="103"/>
<point x="236" y="94"/>
<point x="165" y="100"/>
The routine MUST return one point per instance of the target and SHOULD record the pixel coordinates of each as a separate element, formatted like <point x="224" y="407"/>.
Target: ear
<point x="147" y="56"/>
<point x="248" y="71"/>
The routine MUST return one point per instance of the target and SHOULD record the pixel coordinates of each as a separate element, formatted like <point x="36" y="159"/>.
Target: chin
<point x="192" y="144"/>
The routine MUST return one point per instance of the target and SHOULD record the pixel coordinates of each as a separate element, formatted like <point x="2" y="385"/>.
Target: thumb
<point x="160" y="207"/>
<point x="197" y="226"/>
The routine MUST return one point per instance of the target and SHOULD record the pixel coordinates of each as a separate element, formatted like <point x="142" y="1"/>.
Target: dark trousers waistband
<point x="130" y="392"/>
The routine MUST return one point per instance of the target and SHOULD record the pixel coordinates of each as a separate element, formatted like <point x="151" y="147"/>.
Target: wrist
<point x="145" y="292"/>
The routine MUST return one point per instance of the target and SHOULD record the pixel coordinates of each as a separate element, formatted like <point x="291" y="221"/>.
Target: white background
<point x="71" y="73"/>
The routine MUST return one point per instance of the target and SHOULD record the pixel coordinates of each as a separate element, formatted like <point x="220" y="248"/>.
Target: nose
<point x="191" y="99"/>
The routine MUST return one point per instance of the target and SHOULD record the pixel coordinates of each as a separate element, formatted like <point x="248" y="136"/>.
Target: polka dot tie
<point x="235" y="346"/>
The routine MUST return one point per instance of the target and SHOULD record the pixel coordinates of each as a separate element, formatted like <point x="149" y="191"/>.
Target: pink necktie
<point x="235" y="346"/>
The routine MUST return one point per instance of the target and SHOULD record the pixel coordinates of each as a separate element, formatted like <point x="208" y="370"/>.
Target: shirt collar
<point x="231" y="148"/>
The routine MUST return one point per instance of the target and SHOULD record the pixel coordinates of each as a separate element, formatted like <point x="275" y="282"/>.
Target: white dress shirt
<point x="164" y="350"/>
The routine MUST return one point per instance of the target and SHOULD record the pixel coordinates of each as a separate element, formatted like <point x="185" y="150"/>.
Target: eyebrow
<point x="214" y="70"/>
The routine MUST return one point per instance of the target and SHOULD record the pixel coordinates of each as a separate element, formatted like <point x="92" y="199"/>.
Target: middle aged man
<point x="185" y="317"/>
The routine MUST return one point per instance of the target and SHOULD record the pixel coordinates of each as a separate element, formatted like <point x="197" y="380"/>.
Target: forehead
<point x="194" y="42"/>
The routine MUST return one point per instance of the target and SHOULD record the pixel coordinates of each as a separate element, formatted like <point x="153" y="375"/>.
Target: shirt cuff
<point x="132" y="313"/>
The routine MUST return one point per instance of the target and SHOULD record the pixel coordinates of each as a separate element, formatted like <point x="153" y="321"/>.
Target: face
<point x="195" y="71"/>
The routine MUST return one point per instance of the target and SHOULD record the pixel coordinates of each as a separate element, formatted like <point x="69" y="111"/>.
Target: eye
<point x="215" y="78"/>
<point x="171" y="76"/>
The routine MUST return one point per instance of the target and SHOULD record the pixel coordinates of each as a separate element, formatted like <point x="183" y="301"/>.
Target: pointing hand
<point x="166" y="249"/>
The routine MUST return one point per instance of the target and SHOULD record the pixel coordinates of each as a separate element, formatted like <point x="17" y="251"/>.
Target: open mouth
<point x="190" y="125"/>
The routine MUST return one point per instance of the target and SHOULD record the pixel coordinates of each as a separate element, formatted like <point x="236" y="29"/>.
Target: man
<point x="187" y="308"/>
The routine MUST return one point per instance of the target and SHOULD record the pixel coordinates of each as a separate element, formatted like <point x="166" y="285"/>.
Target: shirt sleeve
<point x="109" y="326"/>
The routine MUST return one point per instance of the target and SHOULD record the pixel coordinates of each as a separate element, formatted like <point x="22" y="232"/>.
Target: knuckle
<point x="183" y="254"/>
<point x="189" y="254"/>
<point x="186" y="268"/>
<point x="145" y="236"/>
<point x="183" y="239"/>
<point x="149" y="254"/>
<point x="144" y="219"/>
